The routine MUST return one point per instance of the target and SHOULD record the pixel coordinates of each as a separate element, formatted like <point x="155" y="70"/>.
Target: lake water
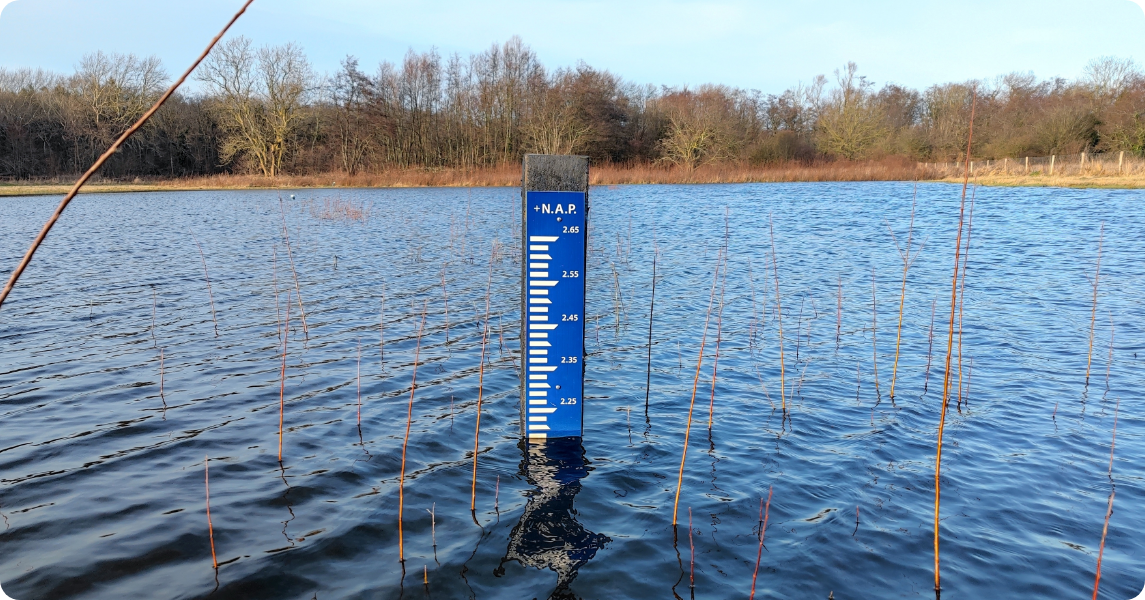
<point x="102" y="469"/>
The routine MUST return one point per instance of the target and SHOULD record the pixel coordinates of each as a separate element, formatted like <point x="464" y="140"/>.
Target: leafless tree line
<point x="265" y="110"/>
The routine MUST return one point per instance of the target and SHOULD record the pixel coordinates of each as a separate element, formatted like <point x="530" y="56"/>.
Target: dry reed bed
<point x="508" y="176"/>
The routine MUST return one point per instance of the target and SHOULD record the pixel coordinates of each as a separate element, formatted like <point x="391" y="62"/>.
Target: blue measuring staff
<point x="554" y="252"/>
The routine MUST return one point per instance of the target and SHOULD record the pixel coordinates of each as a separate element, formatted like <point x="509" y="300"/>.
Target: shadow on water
<point x="548" y="536"/>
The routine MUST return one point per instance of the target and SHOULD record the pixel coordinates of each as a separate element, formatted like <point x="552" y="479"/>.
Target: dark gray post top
<point x="555" y="173"/>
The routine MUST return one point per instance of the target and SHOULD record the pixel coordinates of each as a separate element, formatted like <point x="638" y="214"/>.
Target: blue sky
<point x="763" y="44"/>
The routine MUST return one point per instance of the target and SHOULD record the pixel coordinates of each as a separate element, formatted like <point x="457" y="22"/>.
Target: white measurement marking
<point x="538" y="292"/>
<point x="538" y="402"/>
<point x="540" y="257"/>
<point x="538" y="317"/>
<point x="540" y="301"/>
<point x="542" y="369"/>
<point x="543" y="283"/>
<point x="542" y="411"/>
<point x="538" y="309"/>
<point x="538" y="334"/>
<point x="543" y="238"/>
<point x="539" y="274"/>
<point x="538" y="265"/>
<point x="536" y="344"/>
<point x="538" y="248"/>
<point x="541" y="325"/>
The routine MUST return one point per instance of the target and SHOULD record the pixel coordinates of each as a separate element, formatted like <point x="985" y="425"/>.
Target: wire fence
<point x="1086" y="163"/>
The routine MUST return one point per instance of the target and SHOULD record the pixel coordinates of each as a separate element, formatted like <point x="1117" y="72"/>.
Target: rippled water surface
<point x="114" y="386"/>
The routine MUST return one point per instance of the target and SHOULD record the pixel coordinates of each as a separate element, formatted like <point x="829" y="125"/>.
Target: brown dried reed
<point x="1093" y="315"/>
<point x="282" y="377"/>
<point x="695" y="385"/>
<point x="1109" y="509"/>
<point x="779" y="318"/>
<point x="290" y="255"/>
<point x="480" y="392"/>
<point x="405" y="443"/>
<point x="210" y="525"/>
<point x="210" y="294"/>
<point x="764" y="512"/>
<point x="962" y="291"/>
<point x="907" y="261"/>
<point x="950" y="351"/>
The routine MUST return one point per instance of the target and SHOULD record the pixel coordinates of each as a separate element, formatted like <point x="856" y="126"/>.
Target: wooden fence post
<point x="1120" y="161"/>
<point x="1052" y="158"/>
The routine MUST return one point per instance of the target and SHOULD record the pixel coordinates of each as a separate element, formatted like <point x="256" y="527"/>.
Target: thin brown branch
<point x="115" y="146"/>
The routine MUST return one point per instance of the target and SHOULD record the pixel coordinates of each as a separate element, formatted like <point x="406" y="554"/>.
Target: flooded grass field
<point x="121" y="371"/>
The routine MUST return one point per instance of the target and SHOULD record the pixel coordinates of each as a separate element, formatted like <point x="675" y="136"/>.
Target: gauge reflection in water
<point x="548" y="535"/>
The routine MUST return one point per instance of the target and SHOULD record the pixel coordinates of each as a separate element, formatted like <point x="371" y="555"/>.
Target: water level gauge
<point x="553" y="300"/>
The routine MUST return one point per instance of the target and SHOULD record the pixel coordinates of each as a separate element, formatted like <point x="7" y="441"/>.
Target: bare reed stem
<point x="1101" y="549"/>
<point x="1093" y="315"/>
<point x="207" y="275"/>
<point x="274" y="276"/>
<point x="210" y="526"/>
<point x="874" y="331"/>
<point x="445" y="298"/>
<point x="282" y="377"/>
<point x="405" y="442"/>
<point x="906" y="262"/>
<point x="839" y="315"/>
<point x="651" y="312"/>
<point x="480" y="391"/>
<point x="950" y="351"/>
<point x="719" y="338"/>
<point x="695" y="385"/>
<point x="1109" y="365"/>
<point x="155" y="304"/>
<point x="779" y="317"/>
<point x="692" y="545"/>
<point x="381" y="330"/>
<point x="1113" y="441"/>
<point x="359" y="383"/>
<point x="764" y="512"/>
<point x="24" y="262"/>
<point x="161" y="395"/>
<point x="962" y="290"/>
<point x="1109" y="509"/>
<point x="930" y="348"/>
<point x="290" y="255"/>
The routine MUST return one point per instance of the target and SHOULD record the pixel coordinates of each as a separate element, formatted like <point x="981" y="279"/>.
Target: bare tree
<point x="260" y="95"/>
<point x="350" y="91"/>
<point x="1108" y="77"/>
<point x="850" y="124"/>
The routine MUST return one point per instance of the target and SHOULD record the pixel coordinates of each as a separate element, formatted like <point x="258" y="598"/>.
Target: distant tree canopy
<point x="264" y="110"/>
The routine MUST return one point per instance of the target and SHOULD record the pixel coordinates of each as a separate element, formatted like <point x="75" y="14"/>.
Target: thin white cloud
<point x="4" y="3"/>
<point x="1140" y="3"/>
